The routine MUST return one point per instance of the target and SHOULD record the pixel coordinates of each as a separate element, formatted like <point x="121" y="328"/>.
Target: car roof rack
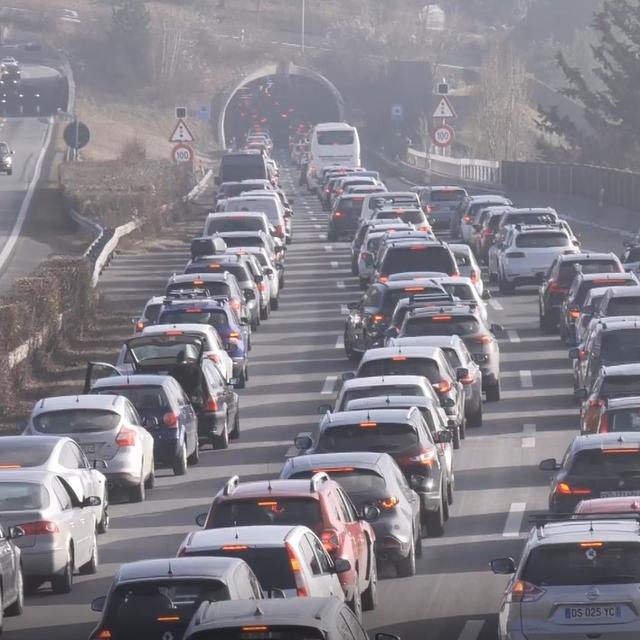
<point x="231" y="485"/>
<point x="432" y="297"/>
<point x="539" y="520"/>
<point x="184" y="294"/>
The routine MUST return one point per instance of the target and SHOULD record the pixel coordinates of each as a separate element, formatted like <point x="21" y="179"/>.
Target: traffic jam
<point x="302" y="553"/>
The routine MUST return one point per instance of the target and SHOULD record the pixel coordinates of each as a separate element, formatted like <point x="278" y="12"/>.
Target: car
<point x="484" y="233"/>
<point x="414" y="256"/>
<point x="287" y="205"/>
<point x="560" y="278"/>
<point x="344" y="217"/>
<point x="439" y="202"/>
<point x="375" y="201"/>
<point x="621" y="504"/>
<point x="265" y="201"/>
<point x="360" y="178"/>
<point x="148" y="599"/>
<point x="290" y="558"/>
<point x="526" y="216"/>
<point x="575" y="577"/>
<point x="467" y="265"/>
<point x="242" y="165"/>
<point x="232" y="189"/>
<point x="318" y="503"/>
<point x="11" y="573"/>
<point x="269" y="271"/>
<point x="6" y="158"/>
<point x="619" y="301"/>
<point x="406" y="437"/>
<point x="571" y="307"/>
<point x="595" y="465"/>
<point x="312" y="618"/>
<point x="429" y="362"/>
<point x="584" y="325"/>
<point x="222" y="319"/>
<point x="527" y="252"/>
<point x="364" y="228"/>
<point x="419" y="300"/>
<point x="630" y="257"/>
<point x="463" y="219"/>
<point x="107" y="428"/>
<point x="64" y="457"/>
<point x="410" y="215"/>
<point x="222" y="222"/>
<point x="369" y="318"/>
<point x="165" y="410"/>
<point x="465" y="290"/>
<point x="460" y="319"/>
<point x="149" y="314"/>
<point x="617" y="415"/>
<point x="57" y="531"/>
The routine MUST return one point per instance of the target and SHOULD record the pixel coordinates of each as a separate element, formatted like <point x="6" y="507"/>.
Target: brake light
<point x="140" y="325"/>
<point x="483" y="339"/>
<point x="330" y="540"/>
<point x="554" y="287"/>
<point x="603" y="427"/>
<point x="234" y="335"/>
<point x="198" y="283"/>
<point x="254" y="627"/>
<point x="417" y="247"/>
<point x="388" y="503"/>
<point x="280" y="231"/>
<point x="515" y="254"/>
<point x="590" y="545"/>
<point x="487" y="233"/>
<point x="168" y="618"/>
<point x="468" y="379"/>
<point x="337" y="214"/>
<point x="574" y="314"/>
<point x="467" y="219"/>
<point x="215" y="265"/>
<point x="126" y="438"/>
<point x="368" y="425"/>
<point x="525" y="592"/>
<point x="10" y="466"/>
<point x="424" y="227"/>
<point x="260" y="287"/>
<point x="474" y="277"/>
<point x="235" y="547"/>
<point x="596" y="403"/>
<point x="335" y="470"/>
<point x="565" y="489"/>
<point x="170" y="419"/>
<point x="214" y="357"/>
<point x="103" y="634"/>
<point x="441" y="318"/>
<point x="426" y="457"/>
<point x="413" y="289"/>
<point x="294" y="563"/>
<point x="444" y="386"/>
<point x="212" y="404"/>
<point x="173" y="332"/>
<point x="42" y="527"/>
<point x="378" y="317"/>
<point x="621" y="450"/>
<point x="399" y="358"/>
<point x="193" y="310"/>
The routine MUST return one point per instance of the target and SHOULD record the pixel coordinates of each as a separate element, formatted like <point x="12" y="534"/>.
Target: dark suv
<point x="345" y="217"/>
<point x="404" y="256"/>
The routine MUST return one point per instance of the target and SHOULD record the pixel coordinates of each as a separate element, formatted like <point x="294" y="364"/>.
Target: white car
<point x="149" y="315"/>
<point x="269" y="270"/>
<point x="464" y="289"/>
<point x="467" y="264"/>
<point x="290" y="558"/>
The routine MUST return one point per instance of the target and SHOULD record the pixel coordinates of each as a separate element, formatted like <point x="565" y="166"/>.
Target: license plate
<point x="618" y="494"/>
<point x="592" y="612"/>
<point x="89" y="448"/>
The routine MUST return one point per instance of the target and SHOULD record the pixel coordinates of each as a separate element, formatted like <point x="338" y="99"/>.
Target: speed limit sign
<point x="182" y="153"/>
<point x="443" y="135"/>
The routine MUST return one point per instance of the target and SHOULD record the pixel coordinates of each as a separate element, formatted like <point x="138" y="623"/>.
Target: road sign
<point x="443" y="135"/>
<point x="204" y="113"/>
<point x="444" y="109"/>
<point x="76" y="135"/>
<point x="181" y="133"/>
<point x="397" y="113"/>
<point x="181" y="113"/>
<point x="182" y="153"/>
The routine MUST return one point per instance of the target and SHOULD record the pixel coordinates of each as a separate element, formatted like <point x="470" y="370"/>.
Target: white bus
<point x="332" y="143"/>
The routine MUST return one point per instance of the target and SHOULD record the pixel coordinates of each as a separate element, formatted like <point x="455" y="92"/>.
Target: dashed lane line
<point x="513" y="336"/>
<point x="329" y="385"/>
<point x="526" y="379"/>
<point x="514" y="520"/>
<point x="529" y="436"/>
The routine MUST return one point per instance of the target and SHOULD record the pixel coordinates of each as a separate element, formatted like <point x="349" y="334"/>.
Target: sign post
<point x="443" y="136"/>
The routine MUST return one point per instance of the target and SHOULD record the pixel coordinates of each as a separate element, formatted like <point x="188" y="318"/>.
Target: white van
<point x="332" y="143"/>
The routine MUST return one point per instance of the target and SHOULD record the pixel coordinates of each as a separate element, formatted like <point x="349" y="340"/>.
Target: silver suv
<point x="578" y="577"/>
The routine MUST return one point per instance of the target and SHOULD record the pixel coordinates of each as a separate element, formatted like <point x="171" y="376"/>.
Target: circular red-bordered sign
<point x="443" y="136"/>
<point x="182" y="153"/>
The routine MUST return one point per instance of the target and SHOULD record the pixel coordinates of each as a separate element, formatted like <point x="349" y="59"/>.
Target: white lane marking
<point x="513" y="336"/>
<point x="329" y="385"/>
<point x="526" y="379"/>
<point x="328" y="248"/>
<point x="514" y="520"/>
<point x="495" y="305"/>
<point x="313" y="219"/>
<point x="334" y="264"/>
<point x="344" y="310"/>
<point x="321" y="235"/>
<point x="24" y="207"/>
<point x="340" y="342"/>
<point x="317" y="226"/>
<point x="340" y="284"/>
<point x="529" y="436"/>
<point x="471" y="630"/>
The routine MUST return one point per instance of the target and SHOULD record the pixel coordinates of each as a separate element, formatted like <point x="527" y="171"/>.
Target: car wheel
<point x="434" y="521"/>
<point x="221" y="441"/>
<point x="356" y="602"/>
<point x="354" y="268"/>
<point x="264" y="313"/>
<point x="275" y="303"/>
<point x="506" y="288"/>
<point x="493" y="392"/>
<point x="17" y="607"/>
<point x="138" y="493"/>
<point x="180" y="461"/>
<point x="62" y="582"/>
<point x="194" y="458"/>
<point x="103" y="523"/>
<point x="150" y="482"/>
<point x="418" y="545"/>
<point x="545" y="325"/>
<point x="91" y="567"/>
<point x="450" y="492"/>
<point x="370" y="594"/>
<point x="445" y="504"/>
<point x="475" y="419"/>
<point x="463" y="429"/>
<point x="406" y="567"/>
<point x="235" y="432"/>
<point x="242" y="380"/>
<point x="455" y="441"/>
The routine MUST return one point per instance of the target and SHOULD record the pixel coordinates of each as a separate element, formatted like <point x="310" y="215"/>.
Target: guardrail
<point x="485" y="172"/>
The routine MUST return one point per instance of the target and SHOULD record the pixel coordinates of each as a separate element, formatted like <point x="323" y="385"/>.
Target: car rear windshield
<point x="461" y="290"/>
<point x="494" y="221"/>
<point x="215" y="317"/>
<point x="361" y="484"/>
<point x="369" y="436"/>
<point x="568" y="270"/>
<point x="351" y="207"/>
<point x="542" y="240"/>
<point x="270" y="564"/>
<point x="587" y="285"/>
<point x="234" y="190"/>
<point x="633" y="255"/>
<point x="623" y="306"/>
<point x="243" y="241"/>
<point x="606" y="463"/>
<point x="462" y="259"/>
<point x="386" y="201"/>
<point x="236" y="270"/>
<point x="401" y="366"/>
<point x="143" y="398"/>
<point x="212" y="288"/>
<point x="23" y="496"/>
<point x="613" y="386"/>
<point x="334" y="137"/>
<point x="243" y="167"/>
<point x="441" y="326"/>
<point x="266" y="205"/>
<point x="234" y="223"/>
<point x="529" y="218"/>
<point x="624" y="419"/>
<point x="620" y="346"/>
<point x="165" y="351"/>
<point x="76" y="421"/>
<point x="393" y="296"/>
<point x="447" y="195"/>
<point x="418" y="258"/>
<point x="24" y="452"/>
<point x="268" y="510"/>
<point x="573" y="564"/>
<point x="414" y="216"/>
<point x="382" y="390"/>
<point x="270" y="632"/>
<point x="452" y="357"/>
<point x="138" y="606"/>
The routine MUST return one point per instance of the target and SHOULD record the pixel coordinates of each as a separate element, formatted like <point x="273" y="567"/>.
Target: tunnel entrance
<point x="279" y="99"/>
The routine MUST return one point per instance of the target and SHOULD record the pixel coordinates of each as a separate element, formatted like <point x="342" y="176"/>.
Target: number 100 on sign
<point x="182" y="153"/>
<point x="443" y="136"/>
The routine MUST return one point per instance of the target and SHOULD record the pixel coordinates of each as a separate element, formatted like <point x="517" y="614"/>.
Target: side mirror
<point x="391" y="332"/>
<point x="244" y="321"/>
<point x="91" y="501"/>
<point x="341" y="565"/>
<point x="370" y="513"/>
<point x="150" y="421"/>
<point x="549" y="464"/>
<point x="497" y="329"/>
<point x="574" y="353"/>
<point x="97" y="604"/>
<point x="352" y="306"/>
<point x="98" y="462"/>
<point x="249" y="294"/>
<point x="201" y="519"/>
<point x="486" y="294"/>
<point x="416" y="481"/>
<point x="461" y="373"/>
<point x="302" y="443"/>
<point x="581" y="394"/>
<point x="325" y="408"/>
<point x="443" y="436"/>
<point x="503" y="566"/>
<point x="16" y="532"/>
<point x="348" y="375"/>
<point x="275" y="593"/>
<point x="258" y="278"/>
<point x="281" y="249"/>
<point x="447" y="402"/>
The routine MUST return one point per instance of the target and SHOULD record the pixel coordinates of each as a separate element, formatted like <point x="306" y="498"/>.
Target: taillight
<point x="294" y="563"/>
<point x="212" y="404"/>
<point x="483" y="339"/>
<point x="444" y="386"/>
<point x="468" y="379"/>
<point x="426" y="457"/>
<point x="140" y="325"/>
<point x="42" y="527"/>
<point x="378" y="317"/>
<point x="364" y="255"/>
<point x="515" y="254"/>
<point x="280" y="231"/>
<point x="388" y="503"/>
<point x="525" y="592"/>
<point x="487" y="233"/>
<point x="170" y="419"/>
<point x="126" y="438"/>
<point x="103" y="634"/>
<point x="574" y="314"/>
<point x="337" y="214"/>
<point x="467" y="219"/>
<point x="554" y="287"/>
<point x="604" y="424"/>
<point x="330" y="540"/>
<point x="565" y="489"/>
<point x="260" y="287"/>
<point x="214" y="357"/>
<point x="475" y="277"/>
<point x="234" y="335"/>
<point x="596" y="403"/>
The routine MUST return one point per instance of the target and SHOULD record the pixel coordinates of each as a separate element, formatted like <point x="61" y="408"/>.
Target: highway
<point x="296" y="357"/>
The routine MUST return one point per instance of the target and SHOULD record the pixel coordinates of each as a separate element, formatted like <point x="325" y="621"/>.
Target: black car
<point x="561" y="274"/>
<point x="402" y="434"/>
<point x="601" y="465"/>
<point x="345" y="217"/>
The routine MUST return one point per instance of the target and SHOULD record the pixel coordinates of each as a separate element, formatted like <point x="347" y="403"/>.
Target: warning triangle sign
<point x="444" y="109"/>
<point x="181" y="133"/>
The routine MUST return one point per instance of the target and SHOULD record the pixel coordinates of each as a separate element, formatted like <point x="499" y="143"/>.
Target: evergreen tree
<point x="612" y="108"/>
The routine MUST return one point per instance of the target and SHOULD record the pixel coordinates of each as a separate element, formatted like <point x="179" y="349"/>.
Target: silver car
<point x="59" y="531"/>
<point x="63" y="456"/>
<point x="468" y="265"/>
<point x="106" y="428"/>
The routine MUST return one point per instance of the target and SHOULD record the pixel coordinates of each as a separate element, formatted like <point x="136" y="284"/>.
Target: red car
<point x="320" y="504"/>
